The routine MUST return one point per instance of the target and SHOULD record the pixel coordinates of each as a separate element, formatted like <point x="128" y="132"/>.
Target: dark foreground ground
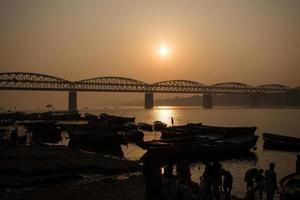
<point x="55" y="173"/>
<point x="108" y="189"/>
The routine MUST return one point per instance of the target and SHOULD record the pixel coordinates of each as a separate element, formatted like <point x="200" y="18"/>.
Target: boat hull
<point x="290" y="187"/>
<point x="217" y="148"/>
<point x="107" y="142"/>
<point x="280" y="142"/>
<point x="199" y="129"/>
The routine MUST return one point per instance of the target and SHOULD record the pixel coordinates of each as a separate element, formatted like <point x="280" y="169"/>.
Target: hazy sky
<point x="254" y="42"/>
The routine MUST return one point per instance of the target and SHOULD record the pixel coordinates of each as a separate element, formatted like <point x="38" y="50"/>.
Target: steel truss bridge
<point x="43" y="82"/>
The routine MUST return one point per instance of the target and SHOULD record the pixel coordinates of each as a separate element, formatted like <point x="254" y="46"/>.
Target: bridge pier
<point x="72" y="101"/>
<point x="253" y="100"/>
<point x="149" y="100"/>
<point x="207" y="100"/>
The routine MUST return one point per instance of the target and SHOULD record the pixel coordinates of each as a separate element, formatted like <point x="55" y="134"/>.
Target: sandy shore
<point x="131" y="188"/>
<point x="56" y="172"/>
<point x="106" y="189"/>
<point x="23" y="166"/>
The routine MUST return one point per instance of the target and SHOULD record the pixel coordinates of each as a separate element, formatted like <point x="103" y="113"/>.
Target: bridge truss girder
<point x="33" y="81"/>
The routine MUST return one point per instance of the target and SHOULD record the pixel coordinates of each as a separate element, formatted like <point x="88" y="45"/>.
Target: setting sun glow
<point x="164" y="51"/>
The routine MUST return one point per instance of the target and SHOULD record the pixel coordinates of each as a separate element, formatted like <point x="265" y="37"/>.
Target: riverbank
<point x="107" y="189"/>
<point x="113" y="188"/>
<point x="57" y="173"/>
<point x="24" y="166"/>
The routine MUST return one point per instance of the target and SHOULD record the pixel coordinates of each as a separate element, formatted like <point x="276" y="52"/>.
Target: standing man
<point x="152" y="177"/>
<point x="148" y="171"/>
<point x="172" y="121"/>
<point x="13" y="137"/>
<point x="216" y="179"/>
<point x="227" y="183"/>
<point x="271" y="182"/>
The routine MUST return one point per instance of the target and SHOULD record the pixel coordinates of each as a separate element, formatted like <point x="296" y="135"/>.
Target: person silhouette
<point x="13" y="137"/>
<point x="227" y="183"/>
<point x="259" y="183"/>
<point x="271" y="181"/>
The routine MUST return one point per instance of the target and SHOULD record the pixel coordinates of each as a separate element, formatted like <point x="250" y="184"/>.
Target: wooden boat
<point x="202" y="146"/>
<point x="11" y="116"/>
<point x="101" y="126"/>
<point x="229" y="130"/>
<point x="199" y="129"/>
<point x="132" y="135"/>
<point x="53" y="115"/>
<point x="183" y="131"/>
<point x="115" y="119"/>
<point x="95" y="140"/>
<point x="290" y="185"/>
<point x="43" y="131"/>
<point x="274" y="141"/>
<point x="145" y="126"/>
<point x="7" y="122"/>
<point x="178" y="141"/>
<point x="90" y="117"/>
<point x="158" y="125"/>
<point x="87" y="134"/>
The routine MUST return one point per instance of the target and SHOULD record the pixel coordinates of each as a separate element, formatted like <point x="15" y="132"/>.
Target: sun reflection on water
<point x="164" y="114"/>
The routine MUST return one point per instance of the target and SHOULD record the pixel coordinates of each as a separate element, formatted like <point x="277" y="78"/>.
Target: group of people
<point x="259" y="181"/>
<point x="214" y="182"/>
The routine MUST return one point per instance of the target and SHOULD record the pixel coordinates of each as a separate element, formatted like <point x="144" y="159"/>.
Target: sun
<point x="163" y="51"/>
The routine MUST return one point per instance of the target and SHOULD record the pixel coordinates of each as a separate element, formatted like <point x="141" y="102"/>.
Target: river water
<point x="281" y="121"/>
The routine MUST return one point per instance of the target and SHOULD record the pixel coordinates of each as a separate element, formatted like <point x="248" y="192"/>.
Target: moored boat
<point x="201" y="146"/>
<point x="95" y="140"/>
<point x="290" y="185"/>
<point x="132" y="135"/>
<point x="53" y="115"/>
<point x="200" y="129"/>
<point x="145" y="126"/>
<point x="158" y="125"/>
<point x="115" y="119"/>
<point x="234" y="130"/>
<point x="274" y="141"/>
<point x="90" y="117"/>
<point x="43" y="131"/>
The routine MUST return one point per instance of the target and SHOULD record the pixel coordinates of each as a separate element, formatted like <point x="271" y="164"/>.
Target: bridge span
<point x="43" y="82"/>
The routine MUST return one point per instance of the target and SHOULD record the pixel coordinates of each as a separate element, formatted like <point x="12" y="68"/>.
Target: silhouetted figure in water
<point x="259" y="183"/>
<point x="227" y="183"/>
<point x="172" y="121"/>
<point x="169" y="190"/>
<point x="298" y="164"/>
<point x="216" y="179"/>
<point x="152" y="177"/>
<point x="271" y="182"/>
<point x="205" y="181"/>
<point x="13" y="138"/>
